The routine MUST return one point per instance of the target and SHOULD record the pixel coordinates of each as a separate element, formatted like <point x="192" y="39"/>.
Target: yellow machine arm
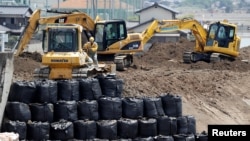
<point x="28" y="32"/>
<point x="35" y="20"/>
<point x="74" y="18"/>
<point x="165" y="26"/>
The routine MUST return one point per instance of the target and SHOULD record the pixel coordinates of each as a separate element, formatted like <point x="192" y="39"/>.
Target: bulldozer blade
<point x="6" y="73"/>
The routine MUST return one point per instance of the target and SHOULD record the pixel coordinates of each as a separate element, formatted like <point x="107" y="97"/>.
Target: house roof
<point x="14" y="10"/>
<point x="3" y="28"/>
<point x="84" y="4"/>
<point x="158" y="5"/>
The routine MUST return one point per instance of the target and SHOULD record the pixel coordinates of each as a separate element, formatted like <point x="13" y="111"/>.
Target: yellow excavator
<point x="219" y="42"/>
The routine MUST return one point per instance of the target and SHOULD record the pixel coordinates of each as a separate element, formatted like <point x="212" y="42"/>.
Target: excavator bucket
<point x="6" y="73"/>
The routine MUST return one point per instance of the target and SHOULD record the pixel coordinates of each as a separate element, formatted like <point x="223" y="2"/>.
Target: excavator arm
<point x="27" y="32"/>
<point x="166" y="26"/>
<point x="35" y="20"/>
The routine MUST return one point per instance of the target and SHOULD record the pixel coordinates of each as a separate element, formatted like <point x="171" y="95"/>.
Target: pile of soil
<point x="25" y="64"/>
<point x="171" y="54"/>
<point x="215" y="93"/>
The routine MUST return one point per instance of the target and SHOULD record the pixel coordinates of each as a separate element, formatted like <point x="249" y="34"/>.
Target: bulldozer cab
<point x="109" y="32"/>
<point x="66" y="38"/>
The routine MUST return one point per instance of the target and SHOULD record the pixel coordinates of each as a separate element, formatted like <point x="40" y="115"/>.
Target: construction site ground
<point x="214" y="93"/>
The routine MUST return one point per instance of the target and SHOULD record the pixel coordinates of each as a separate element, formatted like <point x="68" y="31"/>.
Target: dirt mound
<point x="170" y="55"/>
<point x="207" y="89"/>
<point x="32" y="55"/>
<point x="25" y="64"/>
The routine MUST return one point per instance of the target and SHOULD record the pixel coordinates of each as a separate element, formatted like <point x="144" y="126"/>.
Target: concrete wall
<point x="6" y="73"/>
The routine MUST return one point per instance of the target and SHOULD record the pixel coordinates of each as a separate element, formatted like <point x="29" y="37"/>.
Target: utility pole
<point x="2" y="48"/>
<point x="46" y="5"/>
<point x="120" y="10"/>
<point x="93" y="8"/>
<point x="87" y="6"/>
<point x="105" y="9"/>
<point x="112" y="5"/>
<point x="126" y="9"/>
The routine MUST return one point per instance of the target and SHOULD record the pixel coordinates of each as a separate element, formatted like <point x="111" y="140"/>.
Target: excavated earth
<point x="214" y="93"/>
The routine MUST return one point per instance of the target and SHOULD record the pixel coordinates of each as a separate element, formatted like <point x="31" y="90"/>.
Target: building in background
<point x="160" y="12"/>
<point x="14" y="18"/>
<point x="156" y="11"/>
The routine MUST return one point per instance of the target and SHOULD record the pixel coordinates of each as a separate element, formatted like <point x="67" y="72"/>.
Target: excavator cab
<point x="109" y="32"/>
<point x="222" y="39"/>
<point x="220" y="33"/>
<point x="115" y="44"/>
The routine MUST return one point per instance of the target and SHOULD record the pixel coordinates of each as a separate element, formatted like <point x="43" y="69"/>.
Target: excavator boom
<point x="28" y="32"/>
<point x="74" y="18"/>
<point x="166" y="26"/>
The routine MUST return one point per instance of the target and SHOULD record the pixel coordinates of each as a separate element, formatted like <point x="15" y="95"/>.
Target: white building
<point x="159" y="12"/>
